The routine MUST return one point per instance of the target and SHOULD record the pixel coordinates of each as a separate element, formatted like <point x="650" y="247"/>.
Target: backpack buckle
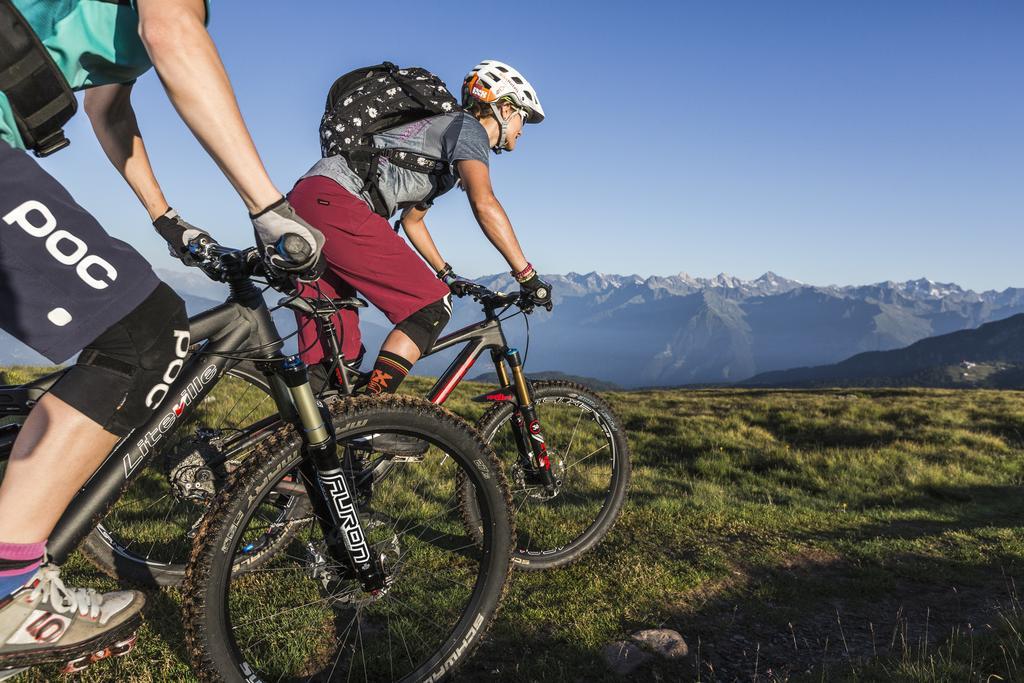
<point x="54" y="142"/>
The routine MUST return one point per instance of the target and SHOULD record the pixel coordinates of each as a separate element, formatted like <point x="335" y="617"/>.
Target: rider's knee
<point x="122" y="376"/>
<point x="424" y="326"/>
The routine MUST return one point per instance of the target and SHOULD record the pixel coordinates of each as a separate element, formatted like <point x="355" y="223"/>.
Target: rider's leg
<point x="65" y="281"/>
<point x="117" y="382"/>
<point x="32" y="498"/>
<point x="363" y="250"/>
<point x="410" y="339"/>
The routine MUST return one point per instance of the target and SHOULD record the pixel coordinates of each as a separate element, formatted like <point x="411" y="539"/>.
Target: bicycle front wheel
<point x="589" y="458"/>
<point x="303" y="615"/>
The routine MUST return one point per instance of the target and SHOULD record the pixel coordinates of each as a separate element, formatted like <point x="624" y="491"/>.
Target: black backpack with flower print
<point x="374" y="99"/>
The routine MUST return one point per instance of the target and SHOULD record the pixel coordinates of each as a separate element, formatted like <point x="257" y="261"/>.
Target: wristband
<point x="525" y="274"/>
<point x="444" y="272"/>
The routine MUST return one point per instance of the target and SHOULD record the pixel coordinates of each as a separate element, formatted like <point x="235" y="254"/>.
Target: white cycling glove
<point x="285" y="240"/>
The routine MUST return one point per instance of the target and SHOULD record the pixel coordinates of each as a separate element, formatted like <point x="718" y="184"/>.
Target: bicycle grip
<point x="293" y="248"/>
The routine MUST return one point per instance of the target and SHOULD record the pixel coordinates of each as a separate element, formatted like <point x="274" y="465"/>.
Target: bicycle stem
<point x="331" y="493"/>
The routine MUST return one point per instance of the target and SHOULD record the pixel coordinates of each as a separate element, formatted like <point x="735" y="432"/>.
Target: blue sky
<point x="830" y="142"/>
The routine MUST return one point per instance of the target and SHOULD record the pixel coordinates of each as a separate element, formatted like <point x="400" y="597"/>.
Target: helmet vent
<point x="517" y="80"/>
<point x="502" y="69"/>
<point x="493" y="75"/>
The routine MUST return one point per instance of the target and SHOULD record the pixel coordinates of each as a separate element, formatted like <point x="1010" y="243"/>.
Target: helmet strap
<point x="503" y="122"/>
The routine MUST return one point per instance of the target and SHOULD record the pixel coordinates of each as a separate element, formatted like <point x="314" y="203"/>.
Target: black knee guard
<point x="425" y="325"/>
<point x="123" y="375"/>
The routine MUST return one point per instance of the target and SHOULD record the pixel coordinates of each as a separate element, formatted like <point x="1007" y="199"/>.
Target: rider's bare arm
<point x="184" y="55"/>
<point x="113" y="120"/>
<point x="493" y="220"/>
<point x="416" y="230"/>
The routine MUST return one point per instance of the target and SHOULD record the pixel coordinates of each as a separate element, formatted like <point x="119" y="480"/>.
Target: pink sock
<point x="18" y="562"/>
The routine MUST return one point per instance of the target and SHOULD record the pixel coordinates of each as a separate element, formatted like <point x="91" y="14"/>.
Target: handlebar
<point x="492" y="300"/>
<point x="226" y="264"/>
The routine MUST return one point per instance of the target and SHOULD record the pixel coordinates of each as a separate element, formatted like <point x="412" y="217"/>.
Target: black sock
<point x="388" y="372"/>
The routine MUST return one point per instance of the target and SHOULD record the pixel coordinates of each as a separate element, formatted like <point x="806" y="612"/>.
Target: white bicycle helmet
<point x="491" y="81"/>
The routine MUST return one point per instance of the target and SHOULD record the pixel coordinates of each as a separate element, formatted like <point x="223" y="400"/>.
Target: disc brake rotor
<point x="530" y="482"/>
<point x="339" y="584"/>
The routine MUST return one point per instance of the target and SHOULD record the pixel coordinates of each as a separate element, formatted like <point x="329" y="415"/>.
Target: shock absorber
<point x="332" y="500"/>
<point x="528" y="429"/>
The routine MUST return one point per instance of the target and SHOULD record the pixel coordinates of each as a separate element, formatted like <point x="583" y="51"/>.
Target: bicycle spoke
<point x="568" y="449"/>
<point x="589" y="455"/>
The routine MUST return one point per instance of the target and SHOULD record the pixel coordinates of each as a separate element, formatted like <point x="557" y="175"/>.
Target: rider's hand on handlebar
<point x="179" y="234"/>
<point x="459" y="286"/>
<point x="536" y="292"/>
<point x="286" y="241"/>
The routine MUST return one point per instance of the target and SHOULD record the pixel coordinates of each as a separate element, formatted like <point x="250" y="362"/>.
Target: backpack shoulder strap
<point x="365" y="162"/>
<point x="39" y="95"/>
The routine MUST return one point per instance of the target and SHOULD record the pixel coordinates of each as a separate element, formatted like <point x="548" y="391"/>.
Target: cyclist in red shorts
<point x="364" y="254"/>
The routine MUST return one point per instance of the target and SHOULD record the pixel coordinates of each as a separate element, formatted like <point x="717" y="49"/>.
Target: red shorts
<point x="363" y="255"/>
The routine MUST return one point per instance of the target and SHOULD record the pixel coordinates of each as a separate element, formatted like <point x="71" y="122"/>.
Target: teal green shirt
<point x="93" y="42"/>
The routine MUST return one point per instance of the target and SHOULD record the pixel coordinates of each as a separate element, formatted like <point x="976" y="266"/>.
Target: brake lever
<point x="199" y="250"/>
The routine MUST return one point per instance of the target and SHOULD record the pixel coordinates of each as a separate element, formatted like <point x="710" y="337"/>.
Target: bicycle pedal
<point x="118" y="649"/>
<point x="8" y="673"/>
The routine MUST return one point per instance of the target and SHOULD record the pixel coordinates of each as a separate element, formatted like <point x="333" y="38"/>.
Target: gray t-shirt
<point x="451" y="137"/>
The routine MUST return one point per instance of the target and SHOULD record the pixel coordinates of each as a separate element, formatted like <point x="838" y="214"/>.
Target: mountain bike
<point x="562" y="445"/>
<point x="305" y="564"/>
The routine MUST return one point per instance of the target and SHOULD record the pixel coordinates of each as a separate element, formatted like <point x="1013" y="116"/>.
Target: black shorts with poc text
<point x="127" y="371"/>
<point x="63" y="279"/>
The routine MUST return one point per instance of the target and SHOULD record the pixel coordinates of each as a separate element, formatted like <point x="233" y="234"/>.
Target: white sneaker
<point x="45" y="622"/>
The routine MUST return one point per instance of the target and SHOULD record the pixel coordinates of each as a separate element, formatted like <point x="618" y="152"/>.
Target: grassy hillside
<point x="788" y="535"/>
<point x="987" y="357"/>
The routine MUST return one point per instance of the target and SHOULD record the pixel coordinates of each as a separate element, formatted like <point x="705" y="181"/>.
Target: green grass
<point x="788" y="535"/>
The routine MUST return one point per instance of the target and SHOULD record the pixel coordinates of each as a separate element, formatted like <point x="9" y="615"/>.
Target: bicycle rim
<point x="588" y="456"/>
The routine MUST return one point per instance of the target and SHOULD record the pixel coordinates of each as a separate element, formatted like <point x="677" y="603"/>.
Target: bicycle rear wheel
<point x="590" y="458"/>
<point x="147" y="536"/>
<point x="302" y="615"/>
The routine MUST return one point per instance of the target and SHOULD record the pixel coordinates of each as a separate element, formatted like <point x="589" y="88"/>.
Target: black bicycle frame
<point x="240" y="329"/>
<point x="488" y="335"/>
<point x="221" y="332"/>
<point x="479" y="337"/>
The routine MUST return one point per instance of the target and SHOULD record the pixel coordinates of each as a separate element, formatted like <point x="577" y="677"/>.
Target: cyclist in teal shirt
<point x="92" y="42"/>
<point x="67" y="285"/>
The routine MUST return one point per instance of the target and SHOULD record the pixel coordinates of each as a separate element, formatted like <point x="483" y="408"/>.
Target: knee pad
<point x="425" y="325"/>
<point x="122" y="376"/>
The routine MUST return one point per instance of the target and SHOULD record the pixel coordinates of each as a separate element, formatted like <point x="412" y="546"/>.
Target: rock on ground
<point x="662" y="641"/>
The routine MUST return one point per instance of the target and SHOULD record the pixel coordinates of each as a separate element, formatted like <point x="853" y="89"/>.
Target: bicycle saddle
<point x="322" y="307"/>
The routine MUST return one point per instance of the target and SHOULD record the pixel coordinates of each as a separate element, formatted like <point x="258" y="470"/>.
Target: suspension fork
<point x="329" y="490"/>
<point x="526" y="426"/>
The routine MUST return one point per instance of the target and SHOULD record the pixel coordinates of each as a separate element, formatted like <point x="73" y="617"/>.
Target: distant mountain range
<point x="665" y="331"/>
<point x="989" y="356"/>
